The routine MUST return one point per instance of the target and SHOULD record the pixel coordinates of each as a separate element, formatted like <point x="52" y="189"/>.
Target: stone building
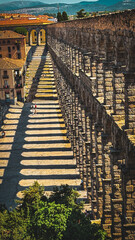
<point x="12" y="66"/>
<point x="11" y="80"/>
<point x="12" y="45"/>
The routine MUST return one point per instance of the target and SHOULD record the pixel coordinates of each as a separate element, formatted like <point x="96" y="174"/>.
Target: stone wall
<point x="95" y="61"/>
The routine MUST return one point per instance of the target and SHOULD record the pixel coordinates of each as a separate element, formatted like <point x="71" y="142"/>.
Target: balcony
<point x="17" y="78"/>
<point x="5" y="76"/>
<point x="6" y="86"/>
<point x="18" y="85"/>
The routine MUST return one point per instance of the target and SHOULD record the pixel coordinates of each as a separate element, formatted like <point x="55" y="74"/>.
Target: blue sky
<point x="51" y="1"/>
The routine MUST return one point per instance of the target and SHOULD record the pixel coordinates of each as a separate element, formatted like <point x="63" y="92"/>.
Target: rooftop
<point x="10" y="34"/>
<point x="9" y="63"/>
<point x="24" y="21"/>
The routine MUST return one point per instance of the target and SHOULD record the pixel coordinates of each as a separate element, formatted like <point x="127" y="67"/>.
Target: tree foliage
<point x="21" y="30"/>
<point x="58" y="217"/>
<point x="64" y="16"/>
<point x="81" y="14"/>
<point x="59" y="17"/>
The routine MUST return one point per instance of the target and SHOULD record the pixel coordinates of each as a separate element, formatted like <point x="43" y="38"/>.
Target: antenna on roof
<point x="58" y="7"/>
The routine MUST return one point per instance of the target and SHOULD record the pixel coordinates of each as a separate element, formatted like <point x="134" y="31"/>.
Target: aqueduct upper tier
<point x="95" y="61"/>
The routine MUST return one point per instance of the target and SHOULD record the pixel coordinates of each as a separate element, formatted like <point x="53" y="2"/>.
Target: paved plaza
<point x="36" y="146"/>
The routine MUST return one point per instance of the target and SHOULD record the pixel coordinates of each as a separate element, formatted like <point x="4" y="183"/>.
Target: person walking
<point x="3" y="134"/>
<point x="35" y="108"/>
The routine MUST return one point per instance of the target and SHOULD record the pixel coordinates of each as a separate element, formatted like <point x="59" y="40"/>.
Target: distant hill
<point x="36" y="8"/>
<point x="126" y="4"/>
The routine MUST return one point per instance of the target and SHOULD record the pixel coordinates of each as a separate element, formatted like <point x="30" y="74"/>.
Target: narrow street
<point x="36" y="146"/>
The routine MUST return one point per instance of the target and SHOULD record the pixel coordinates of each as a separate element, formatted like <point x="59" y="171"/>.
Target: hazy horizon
<point x="50" y="1"/>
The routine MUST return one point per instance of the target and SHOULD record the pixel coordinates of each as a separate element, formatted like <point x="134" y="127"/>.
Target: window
<point x="6" y="82"/>
<point x="5" y="76"/>
<point x="13" y="47"/>
<point x="0" y="55"/>
<point x="0" y="48"/>
<point x="9" y="49"/>
<point x="40" y="33"/>
<point x="7" y="95"/>
<point x="35" y="34"/>
<point x="19" y="55"/>
<point x="18" y="47"/>
<point x="5" y="73"/>
<point x="8" y="41"/>
<point x="4" y="41"/>
<point x="9" y="55"/>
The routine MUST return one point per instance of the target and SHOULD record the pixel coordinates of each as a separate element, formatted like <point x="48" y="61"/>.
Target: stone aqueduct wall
<point x="96" y="85"/>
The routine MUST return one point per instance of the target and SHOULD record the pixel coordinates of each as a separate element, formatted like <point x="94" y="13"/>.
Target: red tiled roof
<point x="9" y="63"/>
<point x="24" y="21"/>
<point x="10" y="34"/>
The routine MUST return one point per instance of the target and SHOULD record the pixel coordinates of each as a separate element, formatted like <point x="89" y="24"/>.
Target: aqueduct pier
<point x="95" y="68"/>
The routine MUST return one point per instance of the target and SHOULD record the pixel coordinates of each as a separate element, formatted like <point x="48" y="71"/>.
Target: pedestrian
<point x="35" y="108"/>
<point x="32" y="109"/>
<point x="81" y="183"/>
<point x="3" y="134"/>
<point x="86" y="213"/>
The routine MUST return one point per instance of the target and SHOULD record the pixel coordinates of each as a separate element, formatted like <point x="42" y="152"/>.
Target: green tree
<point x="66" y="195"/>
<point x="64" y="16"/>
<point x="58" y="217"/>
<point x="21" y="30"/>
<point x="50" y="221"/>
<point x="59" y="17"/>
<point x="81" y="14"/>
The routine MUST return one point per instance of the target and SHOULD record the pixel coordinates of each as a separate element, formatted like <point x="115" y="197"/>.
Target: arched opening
<point x="121" y="55"/>
<point x="109" y="51"/>
<point x="42" y="37"/>
<point x="33" y="37"/>
<point x="93" y="45"/>
<point x="132" y="59"/>
<point x="101" y="48"/>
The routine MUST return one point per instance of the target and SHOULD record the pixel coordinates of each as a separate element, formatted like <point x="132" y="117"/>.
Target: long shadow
<point x="17" y="175"/>
<point x="33" y="89"/>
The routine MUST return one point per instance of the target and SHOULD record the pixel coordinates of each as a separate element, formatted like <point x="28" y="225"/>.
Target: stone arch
<point x="118" y="140"/>
<point x="107" y="126"/>
<point x="42" y="37"/>
<point x="87" y="100"/>
<point x="121" y="54"/>
<point x="101" y="47"/>
<point x="33" y="37"/>
<point x="93" y="44"/>
<point x="109" y="50"/>
<point x="132" y="58"/>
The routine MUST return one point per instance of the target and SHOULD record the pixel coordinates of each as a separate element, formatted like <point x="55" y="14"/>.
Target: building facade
<point x="12" y="66"/>
<point x="12" y="45"/>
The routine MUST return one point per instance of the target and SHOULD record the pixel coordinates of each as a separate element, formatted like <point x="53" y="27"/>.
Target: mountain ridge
<point x="39" y="7"/>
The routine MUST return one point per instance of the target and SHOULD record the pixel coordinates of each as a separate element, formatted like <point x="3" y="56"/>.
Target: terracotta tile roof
<point x="23" y="21"/>
<point x="16" y="15"/>
<point x="9" y="63"/>
<point x="10" y="34"/>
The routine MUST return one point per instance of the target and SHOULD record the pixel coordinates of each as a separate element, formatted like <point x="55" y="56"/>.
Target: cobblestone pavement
<point x="36" y="146"/>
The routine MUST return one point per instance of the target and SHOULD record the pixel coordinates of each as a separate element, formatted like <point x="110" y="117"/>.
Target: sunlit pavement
<point x="36" y="146"/>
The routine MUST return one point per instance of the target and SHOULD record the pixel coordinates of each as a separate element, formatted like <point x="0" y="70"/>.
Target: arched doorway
<point x="42" y="37"/>
<point x="33" y="37"/>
